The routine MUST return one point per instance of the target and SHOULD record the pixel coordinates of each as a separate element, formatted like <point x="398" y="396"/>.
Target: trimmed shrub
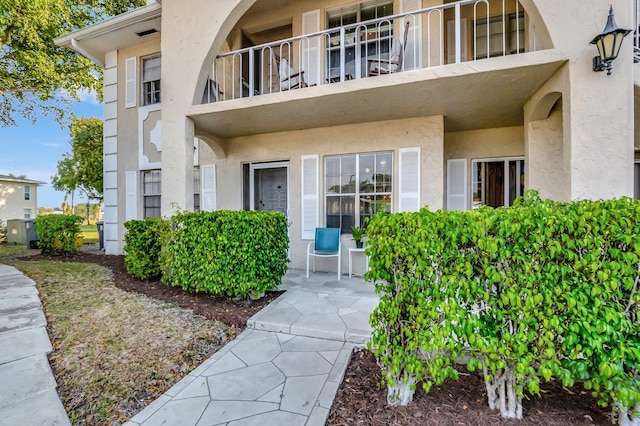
<point x="58" y="233"/>
<point x="143" y="245"/>
<point x="538" y="290"/>
<point x="227" y="253"/>
<point x="3" y="232"/>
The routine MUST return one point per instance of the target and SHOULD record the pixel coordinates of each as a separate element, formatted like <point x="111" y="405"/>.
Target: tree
<point x="36" y="76"/>
<point x="81" y="168"/>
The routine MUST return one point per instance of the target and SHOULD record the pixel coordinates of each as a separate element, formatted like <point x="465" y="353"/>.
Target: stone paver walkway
<point x="28" y="394"/>
<point x="285" y="369"/>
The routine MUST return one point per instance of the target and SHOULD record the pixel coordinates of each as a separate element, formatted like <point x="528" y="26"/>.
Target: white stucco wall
<point x="12" y="202"/>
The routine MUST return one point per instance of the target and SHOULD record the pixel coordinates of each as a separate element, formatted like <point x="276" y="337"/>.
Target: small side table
<point x="356" y="250"/>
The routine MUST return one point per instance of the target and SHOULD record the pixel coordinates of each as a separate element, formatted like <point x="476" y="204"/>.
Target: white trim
<point x="130" y="86"/>
<point x="260" y="166"/>
<point x="131" y="190"/>
<point x="454" y="198"/>
<point x="408" y="188"/>
<point x="505" y="161"/>
<point x="309" y="196"/>
<point x="208" y="196"/>
<point x="143" y="114"/>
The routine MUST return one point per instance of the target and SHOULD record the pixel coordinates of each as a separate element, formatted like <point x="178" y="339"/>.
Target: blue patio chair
<point x="326" y="244"/>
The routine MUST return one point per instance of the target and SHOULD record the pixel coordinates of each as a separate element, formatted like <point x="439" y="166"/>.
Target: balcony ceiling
<point x="471" y="95"/>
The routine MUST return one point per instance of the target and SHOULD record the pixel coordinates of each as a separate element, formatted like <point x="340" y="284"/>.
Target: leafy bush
<point x="143" y="245"/>
<point x="3" y="232"/>
<point x="230" y="253"/>
<point x="527" y="293"/>
<point x="58" y="233"/>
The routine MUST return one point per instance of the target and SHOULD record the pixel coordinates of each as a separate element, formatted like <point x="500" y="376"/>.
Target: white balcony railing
<point x="429" y="37"/>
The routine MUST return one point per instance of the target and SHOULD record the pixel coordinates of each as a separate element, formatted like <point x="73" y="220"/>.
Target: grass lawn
<point x="114" y="351"/>
<point x="90" y="233"/>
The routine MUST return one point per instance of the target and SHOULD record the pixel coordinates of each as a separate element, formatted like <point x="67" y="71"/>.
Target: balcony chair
<point x="287" y="76"/>
<point x="326" y="244"/>
<point x="380" y="66"/>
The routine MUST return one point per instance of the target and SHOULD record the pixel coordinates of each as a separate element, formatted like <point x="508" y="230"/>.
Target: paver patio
<point x="285" y="369"/>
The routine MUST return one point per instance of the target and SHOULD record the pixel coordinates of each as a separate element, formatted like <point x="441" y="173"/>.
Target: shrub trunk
<point x="502" y="393"/>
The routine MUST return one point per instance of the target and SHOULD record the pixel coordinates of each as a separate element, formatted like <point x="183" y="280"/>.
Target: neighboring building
<point x="18" y="198"/>
<point x="482" y="100"/>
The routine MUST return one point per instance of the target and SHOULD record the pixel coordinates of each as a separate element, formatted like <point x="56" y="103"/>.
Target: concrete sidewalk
<point x="28" y="393"/>
<point x="285" y="369"/>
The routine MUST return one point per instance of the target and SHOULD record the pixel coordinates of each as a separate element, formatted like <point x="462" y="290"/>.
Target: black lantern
<point x="608" y="44"/>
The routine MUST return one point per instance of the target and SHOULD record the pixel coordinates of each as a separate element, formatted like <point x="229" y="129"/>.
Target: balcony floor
<point x="470" y="95"/>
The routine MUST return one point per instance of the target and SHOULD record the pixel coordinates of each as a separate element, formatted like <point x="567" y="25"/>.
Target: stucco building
<point x="330" y="111"/>
<point x="18" y="197"/>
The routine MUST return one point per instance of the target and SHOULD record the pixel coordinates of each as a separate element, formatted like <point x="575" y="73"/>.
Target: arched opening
<point x="545" y="149"/>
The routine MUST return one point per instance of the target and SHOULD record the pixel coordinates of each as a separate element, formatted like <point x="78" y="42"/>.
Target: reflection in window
<point x="494" y="181"/>
<point x="357" y="187"/>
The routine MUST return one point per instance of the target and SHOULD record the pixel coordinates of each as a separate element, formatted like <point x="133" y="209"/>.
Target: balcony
<point x="472" y="61"/>
<point x="467" y="30"/>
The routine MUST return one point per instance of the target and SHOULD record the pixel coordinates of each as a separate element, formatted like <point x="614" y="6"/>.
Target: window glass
<point x="357" y="187"/>
<point x="196" y="189"/>
<point x="27" y="192"/>
<point x="27" y="213"/>
<point x="494" y="181"/>
<point x="151" y="80"/>
<point x="514" y="40"/>
<point x="152" y="193"/>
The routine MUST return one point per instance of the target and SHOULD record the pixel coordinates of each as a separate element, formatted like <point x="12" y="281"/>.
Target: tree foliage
<point x="81" y="168"/>
<point x="36" y="76"/>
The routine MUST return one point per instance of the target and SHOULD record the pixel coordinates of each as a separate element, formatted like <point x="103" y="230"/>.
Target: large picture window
<point x="151" y="80"/>
<point x="497" y="182"/>
<point x="357" y="186"/>
<point x="152" y="190"/>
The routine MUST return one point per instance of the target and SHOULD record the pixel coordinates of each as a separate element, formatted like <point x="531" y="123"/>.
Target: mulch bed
<point x="233" y="314"/>
<point x="362" y="401"/>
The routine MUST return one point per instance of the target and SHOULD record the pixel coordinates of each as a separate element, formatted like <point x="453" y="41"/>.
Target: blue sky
<point x="35" y="149"/>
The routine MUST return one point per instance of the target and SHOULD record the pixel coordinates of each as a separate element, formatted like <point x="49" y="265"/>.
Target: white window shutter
<point x="409" y="182"/>
<point x="457" y="184"/>
<point x="310" y="196"/>
<point x="131" y="190"/>
<point x="208" y="191"/>
<point x="413" y="50"/>
<point x="131" y="86"/>
<point x="310" y="63"/>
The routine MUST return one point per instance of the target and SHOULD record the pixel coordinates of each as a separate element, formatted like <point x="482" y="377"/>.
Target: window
<point x="151" y="180"/>
<point x="514" y="41"/>
<point x="361" y="12"/>
<point x="27" y="213"/>
<point x="357" y="186"/>
<point x="27" y="193"/>
<point x="196" y="189"/>
<point x="151" y="80"/>
<point x="494" y="181"/>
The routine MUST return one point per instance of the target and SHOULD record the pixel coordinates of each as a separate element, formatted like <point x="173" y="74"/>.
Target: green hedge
<point x="143" y="245"/>
<point x="538" y="290"/>
<point x="58" y="233"/>
<point x="230" y="253"/>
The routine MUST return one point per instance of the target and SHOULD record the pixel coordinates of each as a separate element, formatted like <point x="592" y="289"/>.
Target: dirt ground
<point x="362" y="401"/>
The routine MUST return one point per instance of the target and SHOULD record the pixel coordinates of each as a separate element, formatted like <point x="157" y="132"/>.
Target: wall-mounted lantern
<point x="608" y="44"/>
